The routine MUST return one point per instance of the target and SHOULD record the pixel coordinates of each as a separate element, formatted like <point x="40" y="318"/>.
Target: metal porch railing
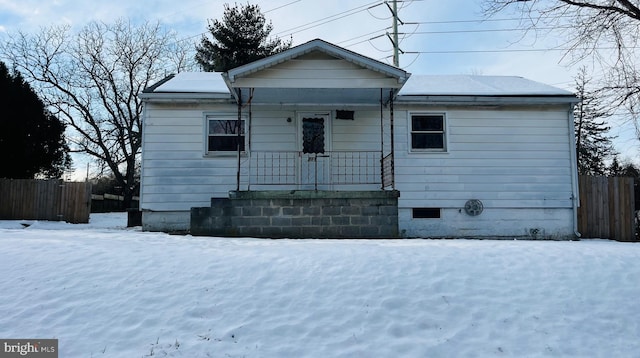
<point x="315" y="170"/>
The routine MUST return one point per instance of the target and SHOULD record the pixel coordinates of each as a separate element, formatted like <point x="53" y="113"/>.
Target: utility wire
<point x="478" y="31"/>
<point x="340" y="15"/>
<point x="281" y="6"/>
<point x="513" y="50"/>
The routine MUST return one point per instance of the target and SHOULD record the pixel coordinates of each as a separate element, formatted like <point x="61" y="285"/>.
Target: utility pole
<point x="396" y="45"/>
<point x="394" y="36"/>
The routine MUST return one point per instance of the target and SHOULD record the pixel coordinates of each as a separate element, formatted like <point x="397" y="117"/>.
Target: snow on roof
<point x="464" y="85"/>
<point x="417" y="85"/>
<point x="205" y="82"/>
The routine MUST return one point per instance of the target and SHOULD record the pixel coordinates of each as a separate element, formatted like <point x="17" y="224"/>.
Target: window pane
<point x="427" y="123"/>
<point x="224" y="126"/>
<point x="225" y="143"/>
<point x="313" y="135"/>
<point x="427" y="140"/>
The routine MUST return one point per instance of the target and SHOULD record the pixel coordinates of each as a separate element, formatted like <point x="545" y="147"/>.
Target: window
<point x="222" y="134"/>
<point x="427" y="132"/>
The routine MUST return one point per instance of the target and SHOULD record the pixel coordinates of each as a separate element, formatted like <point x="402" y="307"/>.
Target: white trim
<point x="142" y="157"/>
<point x="328" y="127"/>
<point x="445" y="133"/>
<point x="205" y="138"/>
<point x="574" y="171"/>
<point x="328" y="141"/>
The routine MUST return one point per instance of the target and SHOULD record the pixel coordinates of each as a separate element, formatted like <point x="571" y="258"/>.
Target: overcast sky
<point x="438" y="36"/>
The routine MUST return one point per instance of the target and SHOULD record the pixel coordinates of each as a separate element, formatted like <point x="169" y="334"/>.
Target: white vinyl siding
<point x="510" y="158"/>
<point x="316" y="70"/>
<point x="178" y="174"/>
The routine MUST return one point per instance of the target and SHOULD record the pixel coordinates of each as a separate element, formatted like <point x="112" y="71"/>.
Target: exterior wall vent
<point x="473" y="207"/>
<point x="426" y="213"/>
<point x="348" y="115"/>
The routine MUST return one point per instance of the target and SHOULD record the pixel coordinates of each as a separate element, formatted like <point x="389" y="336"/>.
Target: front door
<point x="314" y="152"/>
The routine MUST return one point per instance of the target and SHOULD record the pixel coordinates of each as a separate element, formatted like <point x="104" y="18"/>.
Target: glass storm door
<point x="314" y="155"/>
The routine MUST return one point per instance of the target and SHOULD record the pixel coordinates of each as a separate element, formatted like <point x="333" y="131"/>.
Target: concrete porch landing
<point x="300" y="214"/>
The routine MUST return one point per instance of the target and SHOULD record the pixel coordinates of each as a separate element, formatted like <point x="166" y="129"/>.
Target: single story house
<point x="322" y="142"/>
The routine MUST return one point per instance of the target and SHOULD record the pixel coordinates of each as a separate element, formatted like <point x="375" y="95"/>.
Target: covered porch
<point x="324" y="87"/>
<point x="324" y="167"/>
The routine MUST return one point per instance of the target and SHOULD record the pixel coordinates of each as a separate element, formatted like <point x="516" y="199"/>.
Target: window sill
<point x="224" y="155"/>
<point x="427" y="151"/>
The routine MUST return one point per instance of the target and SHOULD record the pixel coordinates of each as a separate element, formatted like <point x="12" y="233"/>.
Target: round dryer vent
<point x="473" y="207"/>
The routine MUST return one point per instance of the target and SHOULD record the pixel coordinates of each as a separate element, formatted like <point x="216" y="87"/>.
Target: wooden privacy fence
<point x="56" y="200"/>
<point x="607" y="208"/>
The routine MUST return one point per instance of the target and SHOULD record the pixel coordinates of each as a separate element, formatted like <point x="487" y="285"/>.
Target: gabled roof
<point x="321" y="46"/>
<point x="313" y="88"/>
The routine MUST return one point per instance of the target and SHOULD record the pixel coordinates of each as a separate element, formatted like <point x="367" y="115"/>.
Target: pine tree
<point x="593" y="145"/>
<point x="242" y="36"/>
<point x="29" y="133"/>
<point x="617" y="169"/>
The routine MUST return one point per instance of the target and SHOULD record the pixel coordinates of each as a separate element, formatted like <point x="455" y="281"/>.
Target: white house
<point x="319" y="141"/>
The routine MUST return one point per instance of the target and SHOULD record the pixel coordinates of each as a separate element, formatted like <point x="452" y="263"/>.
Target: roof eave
<point x="487" y="100"/>
<point x="185" y="96"/>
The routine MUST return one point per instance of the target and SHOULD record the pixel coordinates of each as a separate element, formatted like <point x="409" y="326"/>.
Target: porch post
<point x="393" y="156"/>
<point x="238" y="131"/>
<point x="381" y="139"/>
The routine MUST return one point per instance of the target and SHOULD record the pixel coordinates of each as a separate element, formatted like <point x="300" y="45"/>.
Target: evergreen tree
<point x="29" y="133"/>
<point x="242" y="36"/>
<point x="593" y="145"/>
<point x="617" y="169"/>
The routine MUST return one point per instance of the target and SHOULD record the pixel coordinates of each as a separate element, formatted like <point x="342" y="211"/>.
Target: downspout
<point x="144" y="130"/>
<point x="575" y="197"/>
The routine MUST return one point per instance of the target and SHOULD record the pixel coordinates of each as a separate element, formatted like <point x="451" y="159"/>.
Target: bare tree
<point x="607" y="31"/>
<point x="91" y="80"/>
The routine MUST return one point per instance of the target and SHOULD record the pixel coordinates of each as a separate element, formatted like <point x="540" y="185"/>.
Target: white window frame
<point x="228" y="116"/>
<point x="444" y="133"/>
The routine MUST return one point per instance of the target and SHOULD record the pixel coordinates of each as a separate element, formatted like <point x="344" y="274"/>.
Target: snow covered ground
<point x="107" y="291"/>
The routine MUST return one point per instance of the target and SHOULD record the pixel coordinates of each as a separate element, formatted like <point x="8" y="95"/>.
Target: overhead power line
<point x="281" y="6"/>
<point x="506" y="50"/>
<point x="331" y="18"/>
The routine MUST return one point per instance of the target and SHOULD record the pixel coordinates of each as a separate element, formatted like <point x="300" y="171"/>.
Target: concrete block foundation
<point x="299" y="214"/>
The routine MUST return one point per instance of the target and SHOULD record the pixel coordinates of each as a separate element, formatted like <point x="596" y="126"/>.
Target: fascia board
<point x="182" y="97"/>
<point x="486" y="100"/>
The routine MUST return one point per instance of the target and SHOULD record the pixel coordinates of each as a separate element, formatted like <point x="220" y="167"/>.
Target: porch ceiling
<point x="312" y="96"/>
